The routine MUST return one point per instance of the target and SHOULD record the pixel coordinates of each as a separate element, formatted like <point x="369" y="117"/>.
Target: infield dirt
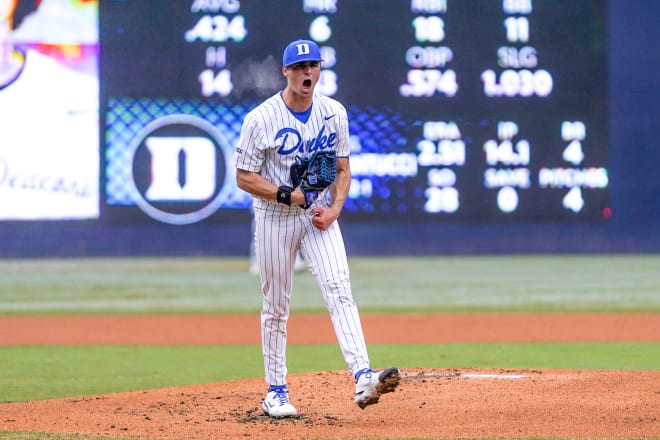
<point x="429" y="403"/>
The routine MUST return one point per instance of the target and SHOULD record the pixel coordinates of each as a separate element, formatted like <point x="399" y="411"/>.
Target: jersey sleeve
<point x="249" y="154"/>
<point x="343" y="144"/>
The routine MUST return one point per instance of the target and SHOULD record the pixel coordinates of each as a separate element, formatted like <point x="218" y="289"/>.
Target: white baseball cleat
<point x="277" y="405"/>
<point x="370" y="385"/>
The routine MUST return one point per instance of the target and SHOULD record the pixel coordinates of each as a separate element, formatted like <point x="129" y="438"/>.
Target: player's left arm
<point x="322" y="218"/>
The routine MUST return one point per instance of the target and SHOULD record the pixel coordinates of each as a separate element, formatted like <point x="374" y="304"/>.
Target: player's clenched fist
<point x="322" y="218"/>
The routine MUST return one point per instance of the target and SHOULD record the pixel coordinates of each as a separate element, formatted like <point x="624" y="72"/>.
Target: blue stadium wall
<point x="634" y="114"/>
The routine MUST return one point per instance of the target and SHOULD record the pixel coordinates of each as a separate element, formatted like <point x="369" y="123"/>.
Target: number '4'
<point x="573" y="153"/>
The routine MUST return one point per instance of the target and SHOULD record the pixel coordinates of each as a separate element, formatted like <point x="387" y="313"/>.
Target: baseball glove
<point x="314" y="173"/>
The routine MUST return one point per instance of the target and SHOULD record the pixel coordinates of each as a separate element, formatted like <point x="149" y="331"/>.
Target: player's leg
<point x="277" y="237"/>
<point x="325" y="254"/>
<point x="327" y="259"/>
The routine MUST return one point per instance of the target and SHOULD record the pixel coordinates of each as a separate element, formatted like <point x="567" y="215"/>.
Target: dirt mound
<point x="427" y="404"/>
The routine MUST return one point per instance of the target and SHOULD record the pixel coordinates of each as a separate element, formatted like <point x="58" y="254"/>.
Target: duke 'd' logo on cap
<point x="299" y="51"/>
<point x="303" y="48"/>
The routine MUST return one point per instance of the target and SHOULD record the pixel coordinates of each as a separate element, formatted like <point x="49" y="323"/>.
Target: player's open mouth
<point x="307" y="83"/>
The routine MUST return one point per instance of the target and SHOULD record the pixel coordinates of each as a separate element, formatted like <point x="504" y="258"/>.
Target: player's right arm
<point x="258" y="186"/>
<point x="249" y="158"/>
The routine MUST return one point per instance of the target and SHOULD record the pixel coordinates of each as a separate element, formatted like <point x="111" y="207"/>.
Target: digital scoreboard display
<point x="459" y="110"/>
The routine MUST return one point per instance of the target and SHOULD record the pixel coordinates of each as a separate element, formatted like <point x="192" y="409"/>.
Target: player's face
<point x="302" y="77"/>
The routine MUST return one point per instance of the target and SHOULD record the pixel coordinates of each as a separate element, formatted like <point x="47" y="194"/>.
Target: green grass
<point x="223" y="285"/>
<point x="43" y="372"/>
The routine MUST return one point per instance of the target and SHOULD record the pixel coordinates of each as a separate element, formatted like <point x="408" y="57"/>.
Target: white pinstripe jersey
<point x="272" y="136"/>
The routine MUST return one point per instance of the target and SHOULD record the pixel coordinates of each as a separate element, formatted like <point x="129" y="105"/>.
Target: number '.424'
<point x="217" y="29"/>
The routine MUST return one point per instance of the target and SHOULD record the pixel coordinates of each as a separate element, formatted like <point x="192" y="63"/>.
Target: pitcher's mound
<point x="429" y="403"/>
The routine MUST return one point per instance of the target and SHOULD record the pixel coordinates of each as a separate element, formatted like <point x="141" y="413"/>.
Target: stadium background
<point x="634" y="113"/>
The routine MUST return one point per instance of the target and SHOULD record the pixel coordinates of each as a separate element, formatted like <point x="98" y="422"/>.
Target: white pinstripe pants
<point x="280" y="232"/>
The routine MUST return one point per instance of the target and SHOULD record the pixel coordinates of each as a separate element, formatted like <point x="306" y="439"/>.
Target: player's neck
<point x="296" y="102"/>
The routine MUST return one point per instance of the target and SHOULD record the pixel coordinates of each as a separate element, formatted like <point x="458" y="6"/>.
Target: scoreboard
<point x="459" y="110"/>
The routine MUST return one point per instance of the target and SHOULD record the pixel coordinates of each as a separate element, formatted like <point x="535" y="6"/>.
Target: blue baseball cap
<point x="301" y="50"/>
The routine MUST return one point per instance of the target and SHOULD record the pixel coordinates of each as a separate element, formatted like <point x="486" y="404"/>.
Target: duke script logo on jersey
<point x="290" y="141"/>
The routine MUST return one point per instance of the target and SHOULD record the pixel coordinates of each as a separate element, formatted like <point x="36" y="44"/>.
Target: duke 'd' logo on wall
<point x="179" y="169"/>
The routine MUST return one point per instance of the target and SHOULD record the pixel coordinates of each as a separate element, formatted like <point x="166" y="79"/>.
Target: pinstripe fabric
<point x="270" y="139"/>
